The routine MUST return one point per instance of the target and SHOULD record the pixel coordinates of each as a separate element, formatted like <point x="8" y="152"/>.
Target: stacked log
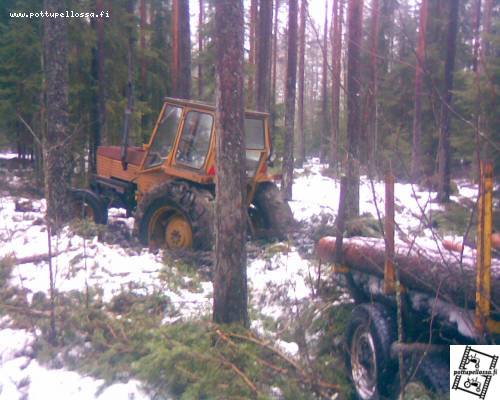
<point x="448" y="275"/>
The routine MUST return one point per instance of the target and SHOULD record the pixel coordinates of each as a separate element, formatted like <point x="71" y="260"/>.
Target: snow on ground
<point x="276" y="281"/>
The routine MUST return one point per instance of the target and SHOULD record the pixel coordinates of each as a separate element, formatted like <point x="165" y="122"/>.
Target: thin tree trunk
<point x="444" y="134"/>
<point x="130" y="84"/>
<point x="301" y="153"/>
<point x="264" y="54"/>
<point x="181" y="47"/>
<point x="57" y="144"/>
<point x="201" y="21"/>
<point x="274" y="62"/>
<point x="230" y="279"/>
<point x="142" y="44"/>
<point x="253" y="51"/>
<point x="416" y="153"/>
<point x="337" y="17"/>
<point x="355" y="19"/>
<point x="291" y="78"/>
<point x="372" y="128"/>
<point x="324" y="92"/>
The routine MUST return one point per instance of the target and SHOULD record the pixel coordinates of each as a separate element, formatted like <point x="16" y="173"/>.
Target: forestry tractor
<point x="169" y="183"/>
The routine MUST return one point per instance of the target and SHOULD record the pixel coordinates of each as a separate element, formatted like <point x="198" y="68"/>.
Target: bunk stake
<point x="484" y="226"/>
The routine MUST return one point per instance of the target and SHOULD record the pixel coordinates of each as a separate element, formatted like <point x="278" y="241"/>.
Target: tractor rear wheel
<point x="88" y="205"/>
<point x="270" y="214"/>
<point x="175" y="215"/>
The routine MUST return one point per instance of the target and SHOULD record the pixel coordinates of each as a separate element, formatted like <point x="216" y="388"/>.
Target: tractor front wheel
<point x="175" y="215"/>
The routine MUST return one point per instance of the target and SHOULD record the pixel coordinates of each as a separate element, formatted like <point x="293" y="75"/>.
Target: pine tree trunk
<point x="142" y="43"/>
<point x="355" y="19"/>
<point x="372" y="127"/>
<point x="253" y="51"/>
<point x="181" y="48"/>
<point x="444" y="131"/>
<point x="57" y="141"/>
<point x="324" y="93"/>
<point x="291" y="78"/>
<point x="230" y="279"/>
<point x="301" y="153"/>
<point x="201" y="21"/>
<point x="274" y="62"/>
<point x="416" y="150"/>
<point x="337" y="20"/>
<point x="264" y="54"/>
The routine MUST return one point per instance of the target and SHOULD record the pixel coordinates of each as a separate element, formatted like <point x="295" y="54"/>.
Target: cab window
<point x="165" y="136"/>
<point x="195" y="139"/>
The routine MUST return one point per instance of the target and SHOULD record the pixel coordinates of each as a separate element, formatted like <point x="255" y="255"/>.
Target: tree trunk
<point x="130" y="83"/>
<point x="444" y="131"/>
<point x="57" y="141"/>
<point x="264" y="54"/>
<point x="337" y="17"/>
<point x="142" y="43"/>
<point x="324" y="93"/>
<point x="372" y="127"/>
<point x="230" y="279"/>
<point x="201" y="21"/>
<point x="291" y="77"/>
<point x="98" y="61"/>
<point x="355" y="18"/>
<point x="274" y="61"/>
<point x="416" y="150"/>
<point x="301" y="153"/>
<point x="424" y="270"/>
<point x="253" y="51"/>
<point x="181" y="48"/>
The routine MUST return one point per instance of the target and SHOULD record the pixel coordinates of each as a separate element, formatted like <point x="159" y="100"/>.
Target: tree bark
<point x="444" y="189"/>
<point x="181" y="47"/>
<point x="142" y="40"/>
<point x="274" y="62"/>
<point x="301" y="153"/>
<point x="337" y="17"/>
<point x="416" y="150"/>
<point x="57" y="141"/>
<point x="230" y="279"/>
<point x="355" y="18"/>
<point x="201" y="21"/>
<point x="372" y="126"/>
<point x="324" y="92"/>
<point x="253" y="51"/>
<point x="291" y="78"/>
<point x="264" y="54"/>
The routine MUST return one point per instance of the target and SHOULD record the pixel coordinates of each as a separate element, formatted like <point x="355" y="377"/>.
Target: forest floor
<point x="292" y="306"/>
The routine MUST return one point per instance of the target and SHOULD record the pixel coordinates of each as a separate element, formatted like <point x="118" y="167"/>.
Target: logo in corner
<point x="476" y="375"/>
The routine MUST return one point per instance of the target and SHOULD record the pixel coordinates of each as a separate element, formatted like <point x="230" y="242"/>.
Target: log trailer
<point x="411" y="305"/>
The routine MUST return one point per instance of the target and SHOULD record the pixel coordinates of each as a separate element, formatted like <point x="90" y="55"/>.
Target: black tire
<point x="369" y="336"/>
<point x="196" y="205"/>
<point x="85" y="198"/>
<point x="271" y="214"/>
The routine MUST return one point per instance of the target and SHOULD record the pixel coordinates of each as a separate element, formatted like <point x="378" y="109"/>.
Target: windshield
<point x="164" y="138"/>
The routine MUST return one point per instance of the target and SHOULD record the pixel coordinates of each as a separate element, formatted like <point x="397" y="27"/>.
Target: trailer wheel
<point x="88" y="205"/>
<point x="370" y="333"/>
<point x="434" y="372"/>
